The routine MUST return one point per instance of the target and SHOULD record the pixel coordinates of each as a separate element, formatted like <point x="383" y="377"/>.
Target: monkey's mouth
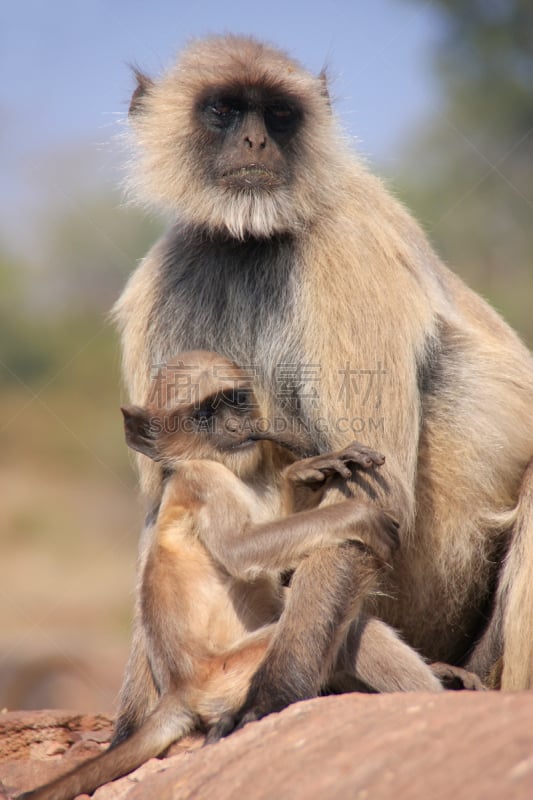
<point x="251" y="175"/>
<point x="240" y="444"/>
<point x="244" y="444"/>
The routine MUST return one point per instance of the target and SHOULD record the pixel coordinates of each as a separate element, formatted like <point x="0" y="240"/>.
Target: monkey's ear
<point x="144" y="83"/>
<point x="324" y="88"/>
<point x="140" y="435"/>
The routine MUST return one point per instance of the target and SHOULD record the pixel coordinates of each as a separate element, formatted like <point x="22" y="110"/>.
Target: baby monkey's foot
<point x="258" y="704"/>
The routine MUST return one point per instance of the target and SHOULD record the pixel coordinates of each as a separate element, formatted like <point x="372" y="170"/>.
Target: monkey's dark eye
<point x="240" y="399"/>
<point x="221" y="109"/>
<point x="281" y="112"/>
<point x="281" y="117"/>
<point x="221" y="112"/>
<point x="203" y="415"/>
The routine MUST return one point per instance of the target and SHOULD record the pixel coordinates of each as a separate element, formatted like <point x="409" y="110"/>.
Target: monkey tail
<point x="518" y="592"/>
<point x="168" y="722"/>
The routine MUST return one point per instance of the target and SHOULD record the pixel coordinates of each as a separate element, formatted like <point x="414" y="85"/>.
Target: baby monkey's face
<point x="219" y="423"/>
<point x="201" y="406"/>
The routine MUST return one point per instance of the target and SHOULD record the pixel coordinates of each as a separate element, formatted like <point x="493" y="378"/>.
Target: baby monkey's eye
<point x="204" y="414"/>
<point x="242" y="397"/>
<point x="239" y="398"/>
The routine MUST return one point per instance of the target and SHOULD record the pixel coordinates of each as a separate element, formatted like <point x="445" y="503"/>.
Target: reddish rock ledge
<point x="377" y="747"/>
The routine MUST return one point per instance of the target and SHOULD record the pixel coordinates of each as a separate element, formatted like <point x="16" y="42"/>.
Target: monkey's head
<point x="201" y="406"/>
<point x="237" y="138"/>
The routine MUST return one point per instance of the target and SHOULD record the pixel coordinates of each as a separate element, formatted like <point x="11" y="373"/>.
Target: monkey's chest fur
<point x="236" y="298"/>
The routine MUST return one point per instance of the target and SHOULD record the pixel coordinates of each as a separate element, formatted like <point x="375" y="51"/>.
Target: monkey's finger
<point x="331" y="465"/>
<point x="338" y="465"/>
<point x="375" y="455"/>
<point x="358" y="460"/>
<point x="377" y="458"/>
<point x="364" y="456"/>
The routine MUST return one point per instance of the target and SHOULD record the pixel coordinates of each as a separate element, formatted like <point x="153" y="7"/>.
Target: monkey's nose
<point x="259" y="142"/>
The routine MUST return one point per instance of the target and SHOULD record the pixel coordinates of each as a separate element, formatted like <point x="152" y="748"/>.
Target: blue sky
<point x="66" y="81"/>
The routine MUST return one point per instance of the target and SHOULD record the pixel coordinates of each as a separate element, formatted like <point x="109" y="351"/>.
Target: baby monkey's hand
<point x="342" y="462"/>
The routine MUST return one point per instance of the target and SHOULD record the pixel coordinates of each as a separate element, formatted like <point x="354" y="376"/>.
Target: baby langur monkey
<point x="237" y="510"/>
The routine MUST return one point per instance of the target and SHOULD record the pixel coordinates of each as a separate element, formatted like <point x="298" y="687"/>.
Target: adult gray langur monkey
<point x="285" y="254"/>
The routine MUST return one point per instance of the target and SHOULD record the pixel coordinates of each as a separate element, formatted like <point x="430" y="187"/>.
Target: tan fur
<point x="361" y="287"/>
<point x="209" y="593"/>
<point x="518" y="672"/>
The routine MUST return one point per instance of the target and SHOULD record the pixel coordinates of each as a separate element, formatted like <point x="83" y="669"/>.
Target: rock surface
<point x="416" y="746"/>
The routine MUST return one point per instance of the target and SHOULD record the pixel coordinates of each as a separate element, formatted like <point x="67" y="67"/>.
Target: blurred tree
<point x="20" y="357"/>
<point x="56" y="300"/>
<point x="470" y="171"/>
<point x="87" y="252"/>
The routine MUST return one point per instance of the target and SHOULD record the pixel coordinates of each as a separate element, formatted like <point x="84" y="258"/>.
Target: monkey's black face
<point x="238" y="140"/>
<point x="249" y="133"/>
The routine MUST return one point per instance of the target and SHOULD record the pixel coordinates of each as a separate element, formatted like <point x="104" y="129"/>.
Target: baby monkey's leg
<point x="328" y="590"/>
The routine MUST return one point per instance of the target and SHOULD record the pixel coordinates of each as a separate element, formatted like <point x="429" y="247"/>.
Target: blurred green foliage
<point x="59" y="359"/>
<point x="468" y="174"/>
<point x="54" y="305"/>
